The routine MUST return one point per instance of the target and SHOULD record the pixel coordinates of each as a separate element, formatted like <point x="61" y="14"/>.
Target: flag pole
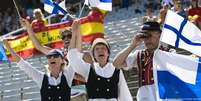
<point x="81" y="11"/>
<point x="16" y="8"/>
<point x="70" y="15"/>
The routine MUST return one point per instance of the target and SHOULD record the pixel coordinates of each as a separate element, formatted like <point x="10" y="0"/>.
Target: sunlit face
<point x="178" y="4"/>
<point x="66" y="37"/>
<point x="101" y="53"/>
<point x="38" y="15"/>
<point x="152" y="42"/>
<point x="55" y="63"/>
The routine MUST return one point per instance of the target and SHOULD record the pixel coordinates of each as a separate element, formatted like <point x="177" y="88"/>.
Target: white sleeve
<point x="69" y="74"/>
<point x="32" y="72"/>
<point x="123" y="91"/>
<point x="78" y="64"/>
<point x="131" y="61"/>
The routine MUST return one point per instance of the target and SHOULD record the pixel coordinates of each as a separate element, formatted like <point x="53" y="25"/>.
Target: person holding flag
<point x="142" y="59"/>
<point x="56" y="84"/>
<point x="104" y="82"/>
<point x="66" y="36"/>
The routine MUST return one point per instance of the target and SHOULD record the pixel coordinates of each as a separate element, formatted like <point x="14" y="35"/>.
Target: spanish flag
<point x="49" y="36"/>
<point x="92" y="26"/>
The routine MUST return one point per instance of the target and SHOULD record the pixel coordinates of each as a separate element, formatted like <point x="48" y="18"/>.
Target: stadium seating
<point x="121" y="25"/>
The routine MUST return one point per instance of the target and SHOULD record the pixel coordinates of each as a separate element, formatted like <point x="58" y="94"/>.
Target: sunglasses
<point x="54" y="56"/>
<point x="68" y="36"/>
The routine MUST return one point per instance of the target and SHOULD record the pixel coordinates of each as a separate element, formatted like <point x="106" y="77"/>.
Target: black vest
<point x="61" y="92"/>
<point x="100" y="87"/>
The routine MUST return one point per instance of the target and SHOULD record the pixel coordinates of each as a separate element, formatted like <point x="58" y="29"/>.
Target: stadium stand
<point x="15" y="85"/>
<point x="121" y="25"/>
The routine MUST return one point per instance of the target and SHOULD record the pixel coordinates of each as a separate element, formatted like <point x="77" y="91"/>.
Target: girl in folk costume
<point x="55" y="85"/>
<point x="104" y="82"/>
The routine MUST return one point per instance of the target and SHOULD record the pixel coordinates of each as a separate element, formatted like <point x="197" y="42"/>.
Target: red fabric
<point x="38" y="24"/>
<point x="195" y="11"/>
<point x="91" y="37"/>
<point x="28" y="53"/>
<point x="145" y="66"/>
<point x="94" y="16"/>
<point x="148" y="66"/>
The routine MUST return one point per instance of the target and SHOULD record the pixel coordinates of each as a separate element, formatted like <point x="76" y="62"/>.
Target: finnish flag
<point x="177" y="77"/>
<point x="101" y="4"/>
<point x="54" y="8"/>
<point x="181" y="33"/>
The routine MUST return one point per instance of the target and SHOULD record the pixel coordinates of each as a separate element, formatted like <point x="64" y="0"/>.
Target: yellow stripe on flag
<point x="21" y="44"/>
<point x="92" y="27"/>
<point x="24" y="43"/>
<point x="49" y="37"/>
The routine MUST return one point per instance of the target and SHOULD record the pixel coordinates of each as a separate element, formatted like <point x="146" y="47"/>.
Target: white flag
<point x="181" y="33"/>
<point x="177" y="77"/>
<point x="101" y="4"/>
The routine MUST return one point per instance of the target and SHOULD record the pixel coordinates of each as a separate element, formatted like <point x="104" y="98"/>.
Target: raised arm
<point x="79" y="39"/>
<point x="120" y="59"/>
<point x="86" y="57"/>
<point x="74" y="35"/>
<point x="35" y="74"/>
<point x="75" y="56"/>
<point x="33" y="38"/>
<point x="17" y="58"/>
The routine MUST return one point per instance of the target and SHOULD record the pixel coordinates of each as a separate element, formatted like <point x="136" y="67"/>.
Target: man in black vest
<point x="142" y="59"/>
<point x="104" y="82"/>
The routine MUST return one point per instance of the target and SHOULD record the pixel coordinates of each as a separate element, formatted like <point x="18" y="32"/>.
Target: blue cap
<point x="55" y="52"/>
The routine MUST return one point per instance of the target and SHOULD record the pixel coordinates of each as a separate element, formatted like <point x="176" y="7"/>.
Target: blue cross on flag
<point x="181" y="33"/>
<point x="177" y="77"/>
<point x="54" y="8"/>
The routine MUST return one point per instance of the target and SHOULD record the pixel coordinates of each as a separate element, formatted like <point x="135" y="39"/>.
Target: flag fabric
<point x="92" y="26"/>
<point x="54" y="8"/>
<point x="3" y="56"/>
<point x="101" y="4"/>
<point x="50" y="35"/>
<point x="177" y="77"/>
<point x="181" y="33"/>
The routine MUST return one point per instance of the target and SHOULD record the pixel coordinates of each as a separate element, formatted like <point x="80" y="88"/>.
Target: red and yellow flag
<point x="92" y="26"/>
<point x="50" y="35"/>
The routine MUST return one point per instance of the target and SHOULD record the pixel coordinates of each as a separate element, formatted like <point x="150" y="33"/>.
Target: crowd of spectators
<point x="8" y="21"/>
